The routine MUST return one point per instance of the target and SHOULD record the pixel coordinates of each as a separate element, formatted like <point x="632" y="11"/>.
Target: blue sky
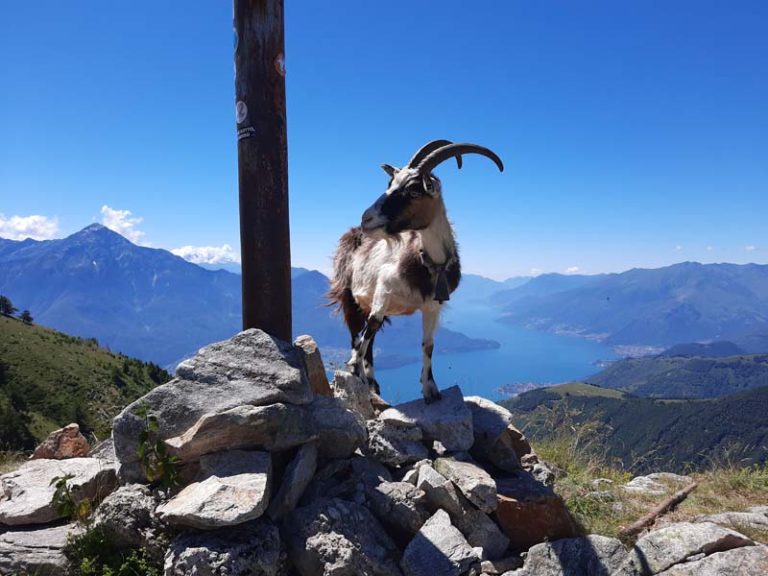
<point x="633" y="133"/>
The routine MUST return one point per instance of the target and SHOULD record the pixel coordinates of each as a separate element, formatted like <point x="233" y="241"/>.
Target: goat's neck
<point x="437" y="238"/>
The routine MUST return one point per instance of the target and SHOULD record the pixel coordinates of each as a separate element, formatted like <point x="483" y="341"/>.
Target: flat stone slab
<point x="275" y="427"/>
<point x="738" y="520"/>
<point x="661" y="549"/>
<point x="35" y="551"/>
<point x="438" y="549"/>
<point x="474" y="482"/>
<point x="26" y="494"/>
<point x="656" y="484"/>
<point x="746" y="561"/>
<point x="252" y="368"/>
<point x="448" y="420"/>
<point x="235" y="489"/>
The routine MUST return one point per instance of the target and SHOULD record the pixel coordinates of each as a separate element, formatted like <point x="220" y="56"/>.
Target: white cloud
<point x="572" y="270"/>
<point x="710" y="248"/>
<point x="123" y="222"/>
<point x="223" y="254"/>
<point x="750" y="248"/>
<point x="535" y="271"/>
<point x="678" y="248"/>
<point x="35" y="226"/>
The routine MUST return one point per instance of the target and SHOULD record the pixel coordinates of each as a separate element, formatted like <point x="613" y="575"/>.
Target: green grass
<point x="580" y="458"/>
<point x="584" y="389"/>
<point x="49" y="379"/>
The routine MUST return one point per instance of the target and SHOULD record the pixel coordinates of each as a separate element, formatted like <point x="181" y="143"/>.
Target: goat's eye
<point x="414" y="190"/>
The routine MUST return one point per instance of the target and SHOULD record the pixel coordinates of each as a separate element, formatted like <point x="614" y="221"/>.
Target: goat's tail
<point x="340" y="291"/>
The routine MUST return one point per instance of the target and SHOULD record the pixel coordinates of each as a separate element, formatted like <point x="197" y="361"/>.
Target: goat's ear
<point x="429" y="184"/>
<point x="391" y="170"/>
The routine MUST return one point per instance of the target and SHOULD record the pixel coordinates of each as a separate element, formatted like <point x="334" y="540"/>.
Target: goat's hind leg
<point x="365" y="353"/>
<point x="429" y="317"/>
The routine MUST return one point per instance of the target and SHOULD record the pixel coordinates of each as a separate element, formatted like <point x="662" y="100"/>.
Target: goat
<point x="402" y="258"/>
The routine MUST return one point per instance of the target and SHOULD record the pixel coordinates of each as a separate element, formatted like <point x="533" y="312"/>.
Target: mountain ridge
<point x="154" y="305"/>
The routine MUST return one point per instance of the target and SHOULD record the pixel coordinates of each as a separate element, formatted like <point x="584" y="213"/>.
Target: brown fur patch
<point x="412" y="269"/>
<point x="418" y="213"/>
<point x="340" y="292"/>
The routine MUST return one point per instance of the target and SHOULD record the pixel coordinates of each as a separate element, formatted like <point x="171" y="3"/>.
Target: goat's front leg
<point x="429" y="317"/>
<point x="361" y="362"/>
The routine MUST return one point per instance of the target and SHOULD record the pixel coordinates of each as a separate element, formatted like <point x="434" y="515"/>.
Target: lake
<point x="524" y="356"/>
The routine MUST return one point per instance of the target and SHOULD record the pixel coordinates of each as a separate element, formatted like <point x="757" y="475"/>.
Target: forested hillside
<point x="685" y="376"/>
<point x="646" y="435"/>
<point x="49" y="379"/>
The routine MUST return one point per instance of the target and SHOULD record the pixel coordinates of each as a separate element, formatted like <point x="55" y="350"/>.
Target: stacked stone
<point x="285" y="474"/>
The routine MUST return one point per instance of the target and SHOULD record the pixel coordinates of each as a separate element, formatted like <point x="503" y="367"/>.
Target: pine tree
<point x="26" y="317"/>
<point x="6" y="306"/>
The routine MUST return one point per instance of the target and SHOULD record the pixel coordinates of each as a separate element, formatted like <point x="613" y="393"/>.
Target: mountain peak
<point x="98" y="232"/>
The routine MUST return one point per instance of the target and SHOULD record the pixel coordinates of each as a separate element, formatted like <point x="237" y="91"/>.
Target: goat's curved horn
<point x="427" y="149"/>
<point x="442" y="154"/>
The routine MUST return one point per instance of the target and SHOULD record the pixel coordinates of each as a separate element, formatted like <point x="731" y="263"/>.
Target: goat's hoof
<point x="432" y="396"/>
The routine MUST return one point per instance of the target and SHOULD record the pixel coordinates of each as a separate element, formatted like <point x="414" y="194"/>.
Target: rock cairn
<point x="283" y="473"/>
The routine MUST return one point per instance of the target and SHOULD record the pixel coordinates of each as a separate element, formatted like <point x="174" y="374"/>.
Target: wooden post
<point x="262" y="154"/>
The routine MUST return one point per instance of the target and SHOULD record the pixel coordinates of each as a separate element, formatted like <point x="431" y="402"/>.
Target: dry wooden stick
<point x="653" y="515"/>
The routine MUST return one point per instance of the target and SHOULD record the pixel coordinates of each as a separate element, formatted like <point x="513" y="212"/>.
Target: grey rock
<point x="439" y="549"/>
<point x="656" y="484"/>
<point x="251" y="549"/>
<point x="297" y="477"/>
<point x="338" y="538"/>
<point x="410" y="473"/>
<point x="104" y="450"/>
<point x="128" y="516"/>
<point x="313" y="364"/>
<point x="661" y="549"/>
<point x="738" y="520"/>
<point x="235" y="489"/>
<point x="480" y="531"/>
<point x="399" y="504"/>
<point x="588" y="556"/>
<point x="370" y="471"/>
<point x="353" y="392"/>
<point x="494" y="567"/>
<point x="394" y="445"/>
<point x="275" y="427"/>
<point x="340" y="430"/>
<point x="541" y="472"/>
<point x="26" y="494"/>
<point x="746" y="561"/>
<point x="474" y="482"/>
<point x="477" y="527"/>
<point x="440" y="491"/>
<point x="494" y="434"/>
<point x="252" y="368"/>
<point x="448" y="420"/>
<point x="35" y="551"/>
